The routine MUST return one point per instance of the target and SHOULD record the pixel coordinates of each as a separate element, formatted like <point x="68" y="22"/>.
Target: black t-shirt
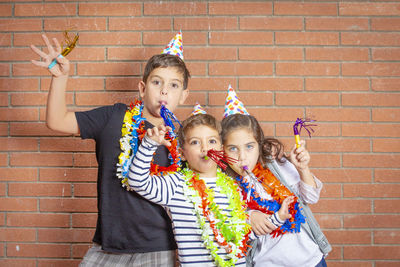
<point x="126" y="222"/>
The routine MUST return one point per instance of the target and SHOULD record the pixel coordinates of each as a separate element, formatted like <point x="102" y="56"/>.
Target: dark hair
<point x="164" y="61"/>
<point x="196" y="120"/>
<point x="269" y="148"/>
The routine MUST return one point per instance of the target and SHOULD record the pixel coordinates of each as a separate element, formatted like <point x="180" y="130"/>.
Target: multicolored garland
<point x="132" y="132"/>
<point x="230" y="233"/>
<point x="278" y="192"/>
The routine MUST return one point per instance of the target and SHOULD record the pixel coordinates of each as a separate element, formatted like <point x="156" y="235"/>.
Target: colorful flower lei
<point x="132" y="132"/>
<point x="278" y="192"/>
<point x="230" y="233"/>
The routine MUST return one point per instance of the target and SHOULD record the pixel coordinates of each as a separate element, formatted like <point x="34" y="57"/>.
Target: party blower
<point x="298" y="125"/>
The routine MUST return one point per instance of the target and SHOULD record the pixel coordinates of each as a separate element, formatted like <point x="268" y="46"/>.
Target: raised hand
<point x="157" y="134"/>
<point x="62" y="66"/>
<point x="283" y="212"/>
<point x="300" y="157"/>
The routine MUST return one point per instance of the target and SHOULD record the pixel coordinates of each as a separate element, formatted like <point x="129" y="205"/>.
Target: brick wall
<point x="337" y="61"/>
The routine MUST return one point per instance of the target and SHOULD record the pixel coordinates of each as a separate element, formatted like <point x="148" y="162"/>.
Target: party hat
<point x="233" y="105"/>
<point x="198" y="109"/>
<point x="175" y="46"/>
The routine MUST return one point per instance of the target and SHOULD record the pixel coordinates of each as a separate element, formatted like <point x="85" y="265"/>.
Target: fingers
<point x="39" y="63"/>
<point x="58" y="46"/>
<point x="38" y="51"/>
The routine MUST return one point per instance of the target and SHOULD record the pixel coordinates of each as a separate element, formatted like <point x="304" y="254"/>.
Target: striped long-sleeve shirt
<point x="168" y="192"/>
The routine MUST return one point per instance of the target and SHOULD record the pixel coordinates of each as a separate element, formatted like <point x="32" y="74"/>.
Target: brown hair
<point x="196" y="120"/>
<point x="164" y="61"/>
<point x="269" y="148"/>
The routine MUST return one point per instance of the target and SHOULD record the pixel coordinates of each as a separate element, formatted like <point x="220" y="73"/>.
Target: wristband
<point x="275" y="220"/>
<point x="54" y="62"/>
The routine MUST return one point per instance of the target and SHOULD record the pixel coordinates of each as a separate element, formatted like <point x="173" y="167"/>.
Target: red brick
<point x="3" y="129"/>
<point x="214" y="84"/>
<point x="271" y="84"/>
<point x="6" y="11"/>
<point x="371" y="160"/>
<point x="162" y="38"/>
<point x="18" y="174"/>
<point x="87" y="54"/>
<point x="387" y="205"/>
<point x="3" y="159"/>
<point x="68" y="174"/>
<point x="383" y="84"/>
<point x="139" y="24"/>
<point x="15" y="84"/>
<point x="273" y="114"/>
<point x="387" y="54"/>
<point x="371" y="130"/>
<point x="336" y="24"/>
<point x="192" y="99"/>
<point x="17" y="235"/>
<point x="65" y="235"/>
<point x="40" y="159"/>
<point x="386" y="237"/>
<point x="385" y="24"/>
<point x="109" y="38"/>
<point x="3" y="189"/>
<point x="234" y="8"/>
<point x="387" y="264"/>
<point x="337" y="54"/>
<point x="123" y="84"/>
<point x="372" y="99"/>
<point x="19" y="114"/>
<point x="39" y="189"/>
<point x="337" y="84"/>
<point x="18" y="25"/>
<point x="211" y="53"/>
<point x="308" y="68"/>
<point x="386" y="175"/>
<point x="31" y="129"/>
<point x="131" y="53"/>
<point x="338" y="145"/>
<point x="85" y="190"/>
<point x="18" y="204"/>
<point x="59" y="263"/>
<point x="349" y="237"/>
<point x="3" y="99"/>
<point x="66" y="144"/>
<point x="16" y="54"/>
<point x="388" y="115"/>
<point x="102" y="99"/>
<point x="68" y="205"/>
<point x="77" y="84"/>
<point x="196" y="68"/>
<point x="310" y="9"/>
<point x="13" y="262"/>
<point x="4" y="70"/>
<point x="39" y="250"/>
<point x="79" y="250"/>
<point x="209" y="23"/>
<point x="110" y="9"/>
<point x="250" y="98"/>
<point x="175" y="8"/>
<point x="85" y="160"/>
<point x="339" y="114"/>
<point x="371" y="190"/>
<point x="371" y="252"/>
<point x="109" y="68"/>
<point x="241" y="38"/>
<point x="372" y="9"/>
<point x="18" y="144"/>
<point x="330" y="129"/>
<point x="343" y="175"/>
<point x="325" y="160"/>
<point x="328" y="220"/>
<point x="28" y="99"/>
<point x="370" y="39"/>
<point x="306" y="38"/>
<point x="83" y="24"/>
<point x="38" y="220"/>
<point x="307" y="99"/>
<point x="371" y="221"/>
<point x="331" y="191"/>
<point x="270" y="53"/>
<point x="5" y="39"/>
<point x="270" y="23"/>
<point x="240" y="69"/>
<point x="44" y="10"/>
<point x="342" y="206"/>
<point x="26" y="69"/>
<point x="84" y="220"/>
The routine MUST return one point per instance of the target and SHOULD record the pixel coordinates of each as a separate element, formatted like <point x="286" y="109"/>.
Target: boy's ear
<point x="142" y="89"/>
<point x="184" y="95"/>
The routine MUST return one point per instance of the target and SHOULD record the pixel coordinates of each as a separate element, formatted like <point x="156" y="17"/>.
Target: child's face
<point x="240" y="144"/>
<point x="164" y="86"/>
<point x="198" y="141"/>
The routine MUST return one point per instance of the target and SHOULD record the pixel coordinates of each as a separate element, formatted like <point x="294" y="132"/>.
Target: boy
<point x="130" y="230"/>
